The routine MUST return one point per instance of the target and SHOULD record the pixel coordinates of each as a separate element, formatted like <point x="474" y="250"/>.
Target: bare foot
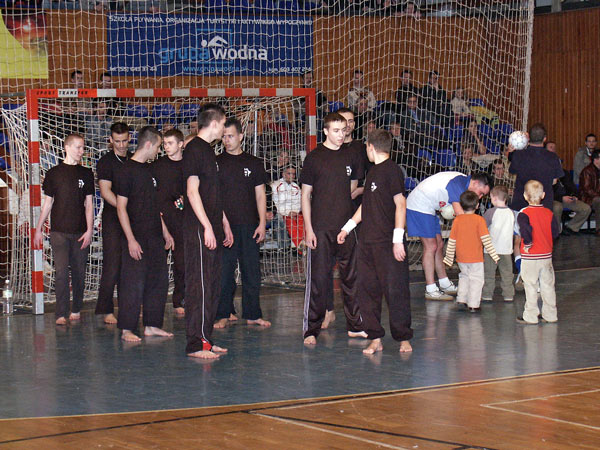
<point x="310" y="340"/>
<point x="405" y="347"/>
<point x="203" y="354"/>
<point x="110" y="318"/>
<point x="75" y="316"/>
<point x="233" y="317"/>
<point x="326" y="321"/>
<point x="61" y="321"/>
<point x="259" y="322"/>
<point x="179" y="311"/>
<point x="154" y="331"/>
<point x="374" y="347"/>
<point x="221" y="323"/>
<point x="355" y="334"/>
<point x="216" y="348"/>
<point x="129" y="336"/>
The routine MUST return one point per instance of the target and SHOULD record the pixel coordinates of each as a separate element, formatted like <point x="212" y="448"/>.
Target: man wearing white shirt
<point x="287" y="198"/>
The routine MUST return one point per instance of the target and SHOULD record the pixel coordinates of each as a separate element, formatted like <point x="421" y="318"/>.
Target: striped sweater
<point x="468" y="237"/>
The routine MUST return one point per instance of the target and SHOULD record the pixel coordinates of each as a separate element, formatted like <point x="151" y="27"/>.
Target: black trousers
<point x="319" y="281"/>
<point x="68" y="257"/>
<point x="146" y="283"/>
<point x="202" y="288"/>
<point x="178" y="256"/>
<point x="379" y="274"/>
<point x="247" y="252"/>
<point x="111" y="267"/>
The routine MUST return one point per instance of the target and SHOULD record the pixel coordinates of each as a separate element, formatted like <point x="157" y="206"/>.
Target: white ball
<point x="518" y="140"/>
<point x="447" y="212"/>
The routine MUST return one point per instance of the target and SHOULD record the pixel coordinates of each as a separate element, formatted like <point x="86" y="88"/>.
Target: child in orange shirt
<point x="468" y="236"/>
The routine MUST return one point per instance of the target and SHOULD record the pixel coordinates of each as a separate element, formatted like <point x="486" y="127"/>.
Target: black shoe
<point x="474" y="310"/>
<point x="541" y="319"/>
<point x="460" y="306"/>
<point x="567" y="232"/>
<point x="523" y="321"/>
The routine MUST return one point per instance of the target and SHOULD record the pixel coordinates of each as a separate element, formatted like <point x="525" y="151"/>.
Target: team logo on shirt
<point x="154" y="182"/>
<point x="247" y="172"/>
<point x="348" y="170"/>
<point x="373" y="186"/>
<point x="81" y="183"/>
<point x="442" y="204"/>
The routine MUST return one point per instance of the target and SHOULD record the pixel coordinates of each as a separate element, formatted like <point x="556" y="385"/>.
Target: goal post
<point x="43" y="151"/>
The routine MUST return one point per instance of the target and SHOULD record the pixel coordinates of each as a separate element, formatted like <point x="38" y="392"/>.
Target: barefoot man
<point x="382" y="264"/>
<point x="205" y="227"/>
<point x="68" y="195"/>
<point x="242" y="181"/>
<point x="328" y="178"/>
<point x="144" y="263"/>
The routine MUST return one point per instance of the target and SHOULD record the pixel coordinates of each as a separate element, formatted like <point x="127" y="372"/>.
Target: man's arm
<point x="457" y="208"/>
<point x="106" y="192"/>
<point x="193" y="183"/>
<point x="45" y="212"/>
<point x="309" y="234"/>
<point x="135" y="250"/>
<point x="261" y="204"/>
<point x="350" y="225"/>
<point x="169" y="241"/>
<point x="399" y="224"/>
<point x="86" y="238"/>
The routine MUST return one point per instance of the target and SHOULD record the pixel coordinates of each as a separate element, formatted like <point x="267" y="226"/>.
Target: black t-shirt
<point x="136" y="182"/>
<point x="534" y="163"/>
<point x="238" y="176"/>
<point x="68" y="185"/>
<point x="169" y="176"/>
<point x="107" y="169"/>
<point x="359" y="148"/>
<point x="329" y="172"/>
<point x="199" y="160"/>
<point x="384" y="181"/>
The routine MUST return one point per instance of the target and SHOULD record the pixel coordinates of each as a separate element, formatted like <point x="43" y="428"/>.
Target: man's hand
<point x="209" y="238"/>
<point x="169" y="241"/>
<point x="135" y="250"/>
<point x="38" y="239"/>
<point x="399" y="252"/>
<point x="85" y="239"/>
<point x="341" y="237"/>
<point x="259" y="234"/>
<point x="311" y="239"/>
<point x="569" y="199"/>
<point x="228" y="241"/>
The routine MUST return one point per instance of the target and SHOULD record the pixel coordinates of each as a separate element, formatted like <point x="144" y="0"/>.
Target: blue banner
<point x="167" y="45"/>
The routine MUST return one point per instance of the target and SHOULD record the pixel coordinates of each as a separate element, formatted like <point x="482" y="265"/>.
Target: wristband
<point x="398" y="236"/>
<point x="350" y="225"/>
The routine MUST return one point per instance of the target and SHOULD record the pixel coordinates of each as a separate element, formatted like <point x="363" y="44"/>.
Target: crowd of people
<point x="350" y="206"/>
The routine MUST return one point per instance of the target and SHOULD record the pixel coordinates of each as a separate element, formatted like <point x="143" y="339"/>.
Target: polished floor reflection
<point x="86" y="369"/>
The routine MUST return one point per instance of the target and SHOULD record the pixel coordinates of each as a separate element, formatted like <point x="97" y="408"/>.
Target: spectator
<point x="583" y="156"/>
<point x="461" y="110"/>
<point x="287" y="198"/>
<point x="98" y="126"/>
<point x="471" y="138"/>
<point x="434" y="100"/>
<point x="417" y="124"/>
<point x="502" y="177"/>
<point x="321" y="102"/>
<point x="589" y="186"/>
<point x="358" y="90"/>
<point x="534" y="163"/>
<point x="116" y="107"/>
<point x="565" y="196"/>
<point x="406" y="89"/>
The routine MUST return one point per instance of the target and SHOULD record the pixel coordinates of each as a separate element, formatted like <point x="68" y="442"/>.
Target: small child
<point x="538" y="229"/>
<point x="500" y="221"/>
<point x="468" y="233"/>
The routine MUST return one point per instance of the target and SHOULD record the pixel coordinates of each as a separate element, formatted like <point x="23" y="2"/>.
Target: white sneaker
<point x="438" y="295"/>
<point x="450" y="290"/>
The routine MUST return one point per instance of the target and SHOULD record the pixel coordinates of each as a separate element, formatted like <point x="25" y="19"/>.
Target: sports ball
<point x="447" y="212"/>
<point x="518" y="140"/>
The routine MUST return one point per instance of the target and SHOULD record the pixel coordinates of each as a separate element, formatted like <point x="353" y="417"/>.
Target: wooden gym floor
<point x="473" y="380"/>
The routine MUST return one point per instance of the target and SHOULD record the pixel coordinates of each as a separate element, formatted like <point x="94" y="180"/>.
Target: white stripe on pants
<point x="470" y="283"/>
<point x="533" y="270"/>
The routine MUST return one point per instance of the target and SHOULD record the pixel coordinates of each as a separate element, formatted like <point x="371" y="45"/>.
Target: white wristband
<point x="350" y="225"/>
<point x="398" y="236"/>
